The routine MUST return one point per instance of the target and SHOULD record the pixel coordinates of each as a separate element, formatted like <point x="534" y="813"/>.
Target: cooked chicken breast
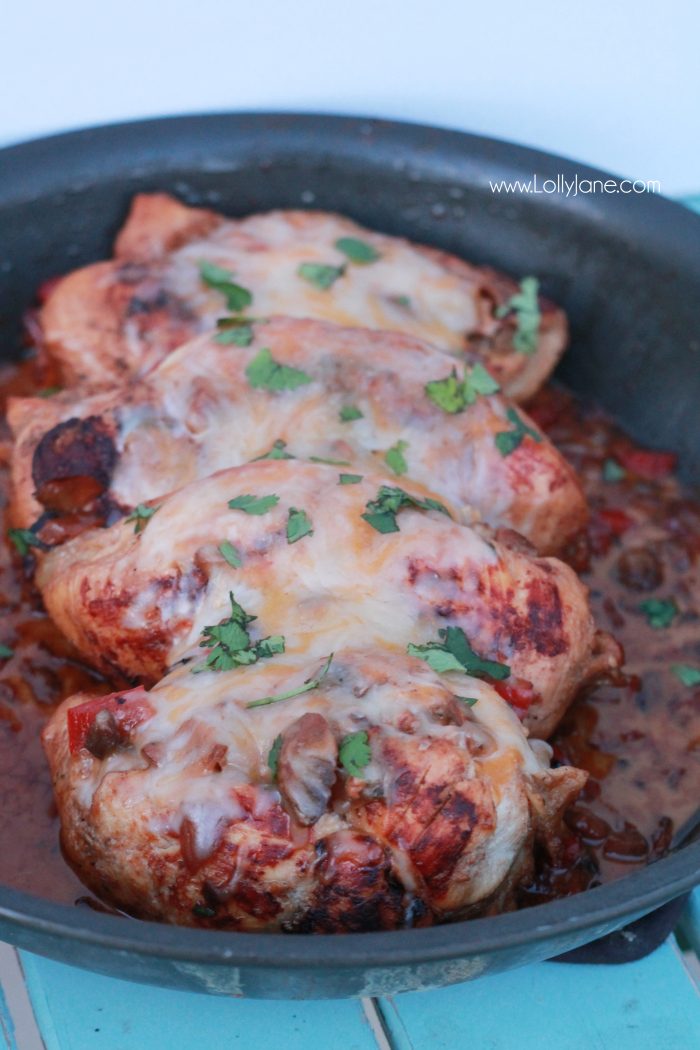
<point x="301" y="388"/>
<point x="177" y="270"/>
<point x="378" y="798"/>
<point x="324" y="559"/>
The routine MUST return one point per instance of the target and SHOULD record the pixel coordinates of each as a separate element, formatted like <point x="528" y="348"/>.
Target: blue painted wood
<point x="7" y="1028"/>
<point x="647" y="1005"/>
<point x="77" y="1010"/>
<point x="690" y="922"/>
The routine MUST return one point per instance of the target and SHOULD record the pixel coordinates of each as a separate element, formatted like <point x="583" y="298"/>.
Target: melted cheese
<point x="198" y="413"/>
<point x="141" y="600"/>
<point x="145" y="306"/>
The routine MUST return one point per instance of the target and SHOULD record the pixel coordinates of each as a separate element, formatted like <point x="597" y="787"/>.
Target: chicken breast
<point x="378" y="798"/>
<point x="323" y="559"/>
<point x="300" y="388"/>
<point x="178" y="269"/>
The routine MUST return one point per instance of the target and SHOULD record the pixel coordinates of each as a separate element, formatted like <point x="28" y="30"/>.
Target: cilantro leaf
<point x="276" y="452"/>
<point x="23" y="539"/>
<point x="350" y="412"/>
<point x="612" y="471"/>
<point x="660" y="612"/>
<point x="401" y="300"/>
<point x="320" y="275"/>
<point x="273" y="757"/>
<point x="349" y="479"/>
<point x="49" y="391"/>
<point x="309" y="684"/>
<point x="230" y="644"/>
<point x="230" y="554"/>
<point x="357" y="251"/>
<point x="6" y="652"/>
<point x="141" y="515"/>
<point x="355" y="753"/>
<point x="265" y="373"/>
<point x="250" y="504"/>
<point x="240" y="336"/>
<point x="381" y="512"/>
<point x="298" y="525"/>
<point x="203" y="911"/>
<point x="436" y="656"/>
<point x="221" y="280"/>
<point x="526" y="307"/>
<point x="508" y="440"/>
<point x="686" y="674"/>
<point x="395" y="459"/>
<point x="469" y="700"/>
<point x="454" y="653"/>
<point x="332" y="462"/>
<point x="453" y="395"/>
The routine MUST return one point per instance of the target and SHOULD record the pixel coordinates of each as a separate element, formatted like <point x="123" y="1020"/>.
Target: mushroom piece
<point x="307" y="766"/>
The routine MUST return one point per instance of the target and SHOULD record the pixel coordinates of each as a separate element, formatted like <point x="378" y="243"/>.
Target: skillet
<point x="627" y="270"/>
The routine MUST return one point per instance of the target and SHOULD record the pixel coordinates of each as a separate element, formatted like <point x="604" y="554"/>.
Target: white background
<point x="615" y="83"/>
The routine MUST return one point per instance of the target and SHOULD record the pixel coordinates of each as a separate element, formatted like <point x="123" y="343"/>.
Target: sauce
<point x="639" y="737"/>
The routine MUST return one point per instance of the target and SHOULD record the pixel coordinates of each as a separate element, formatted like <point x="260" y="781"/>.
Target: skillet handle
<point x="632" y="942"/>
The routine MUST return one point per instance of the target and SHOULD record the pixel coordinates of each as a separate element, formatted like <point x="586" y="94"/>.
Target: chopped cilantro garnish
<point x="141" y="515"/>
<point x="508" y="440"/>
<point x="357" y="251"/>
<point x="6" y="652"/>
<point x="454" y="395"/>
<point x="454" y="653"/>
<point x="381" y="512"/>
<point x="49" y="391"/>
<point x="320" y="275"/>
<point x="250" y="504"/>
<point x="526" y="307"/>
<point x="612" y="471"/>
<point x="660" y="612"/>
<point x="395" y="459"/>
<point x="309" y="684"/>
<point x="265" y="373"/>
<point x="203" y="911"/>
<point x="686" y="674"/>
<point x="298" y="525"/>
<point x="273" y="757"/>
<point x="332" y="462"/>
<point x="231" y="645"/>
<point x="355" y="753"/>
<point x="469" y="700"/>
<point x="234" y="330"/>
<point x="401" y="300"/>
<point x="221" y="280"/>
<point x="278" y="451"/>
<point x="350" y="412"/>
<point x="349" y="479"/>
<point x="23" y="539"/>
<point x="230" y="554"/>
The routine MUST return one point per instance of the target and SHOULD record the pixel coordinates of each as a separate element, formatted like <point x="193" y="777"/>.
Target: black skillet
<point x="627" y="270"/>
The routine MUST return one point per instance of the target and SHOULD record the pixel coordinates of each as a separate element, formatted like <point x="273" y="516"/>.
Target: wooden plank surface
<point x="77" y="1010"/>
<point x="647" y="1005"/>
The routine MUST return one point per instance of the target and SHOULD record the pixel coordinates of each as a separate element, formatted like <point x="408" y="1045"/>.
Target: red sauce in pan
<point x="639" y="738"/>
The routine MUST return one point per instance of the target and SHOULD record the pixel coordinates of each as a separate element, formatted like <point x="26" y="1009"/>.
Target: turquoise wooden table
<point x="653" y="1004"/>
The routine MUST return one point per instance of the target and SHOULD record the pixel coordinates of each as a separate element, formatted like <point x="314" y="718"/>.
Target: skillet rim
<point x="70" y="160"/>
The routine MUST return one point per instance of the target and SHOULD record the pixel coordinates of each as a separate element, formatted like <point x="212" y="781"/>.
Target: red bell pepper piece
<point x="646" y="463"/>
<point x="128" y="708"/>
<point x="517" y="692"/>
<point x="617" y="521"/>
